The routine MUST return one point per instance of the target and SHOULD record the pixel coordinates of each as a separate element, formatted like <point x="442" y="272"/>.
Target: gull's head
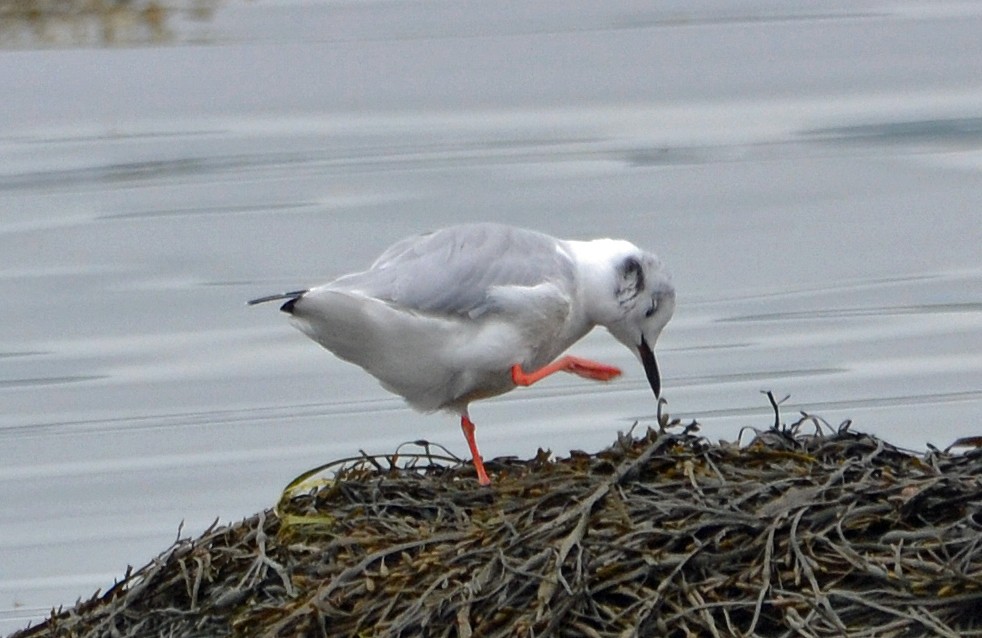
<point x="633" y="297"/>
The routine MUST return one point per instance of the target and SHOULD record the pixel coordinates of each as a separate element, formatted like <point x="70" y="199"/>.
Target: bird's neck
<point x="597" y="278"/>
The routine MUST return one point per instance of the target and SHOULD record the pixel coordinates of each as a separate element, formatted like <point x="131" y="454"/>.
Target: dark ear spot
<point x="631" y="280"/>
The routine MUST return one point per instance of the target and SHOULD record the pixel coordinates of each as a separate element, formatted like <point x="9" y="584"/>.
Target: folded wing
<point x="461" y="270"/>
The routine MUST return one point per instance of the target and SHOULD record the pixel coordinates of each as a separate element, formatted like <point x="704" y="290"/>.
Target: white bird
<point x="473" y="311"/>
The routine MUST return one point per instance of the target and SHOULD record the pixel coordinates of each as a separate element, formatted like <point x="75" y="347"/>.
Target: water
<point x="812" y="175"/>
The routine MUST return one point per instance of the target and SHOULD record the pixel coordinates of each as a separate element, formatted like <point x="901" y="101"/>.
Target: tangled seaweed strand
<point x="830" y="533"/>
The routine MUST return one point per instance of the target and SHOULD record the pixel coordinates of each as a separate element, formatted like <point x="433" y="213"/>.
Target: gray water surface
<point x="811" y="174"/>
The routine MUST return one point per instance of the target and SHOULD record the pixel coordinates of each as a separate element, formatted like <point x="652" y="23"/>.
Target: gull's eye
<point x="650" y="311"/>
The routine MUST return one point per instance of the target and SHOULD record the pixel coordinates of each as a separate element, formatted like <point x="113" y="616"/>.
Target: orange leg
<point x="468" y="427"/>
<point x="575" y="365"/>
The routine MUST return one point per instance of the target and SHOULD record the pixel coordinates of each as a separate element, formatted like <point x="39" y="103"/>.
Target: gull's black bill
<point x="650" y="367"/>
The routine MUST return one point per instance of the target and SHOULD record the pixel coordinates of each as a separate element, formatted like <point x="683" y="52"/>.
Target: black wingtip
<point x="288" y="306"/>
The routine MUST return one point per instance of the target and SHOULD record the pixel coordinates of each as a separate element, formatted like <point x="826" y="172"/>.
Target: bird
<point x="475" y="310"/>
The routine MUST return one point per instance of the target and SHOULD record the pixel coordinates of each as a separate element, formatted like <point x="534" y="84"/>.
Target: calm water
<point x="812" y="176"/>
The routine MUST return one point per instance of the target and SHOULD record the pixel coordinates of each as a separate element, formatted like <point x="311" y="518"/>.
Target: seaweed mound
<point x="805" y="531"/>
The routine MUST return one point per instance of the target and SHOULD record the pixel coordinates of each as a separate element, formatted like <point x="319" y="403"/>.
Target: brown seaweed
<point x="806" y="530"/>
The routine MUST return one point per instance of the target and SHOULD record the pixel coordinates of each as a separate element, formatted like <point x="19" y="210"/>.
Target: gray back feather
<point x="454" y="270"/>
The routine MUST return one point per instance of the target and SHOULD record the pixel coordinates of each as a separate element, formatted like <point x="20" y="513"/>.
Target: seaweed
<point x="804" y="530"/>
<point x="32" y="23"/>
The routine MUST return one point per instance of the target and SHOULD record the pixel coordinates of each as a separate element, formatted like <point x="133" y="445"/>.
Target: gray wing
<point x="455" y="270"/>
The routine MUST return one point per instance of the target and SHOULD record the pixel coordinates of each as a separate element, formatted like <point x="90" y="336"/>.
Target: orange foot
<point x="574" y="365"/>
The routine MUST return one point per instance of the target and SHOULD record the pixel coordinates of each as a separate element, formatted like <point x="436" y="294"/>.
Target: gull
<point x="475" y="310"/>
